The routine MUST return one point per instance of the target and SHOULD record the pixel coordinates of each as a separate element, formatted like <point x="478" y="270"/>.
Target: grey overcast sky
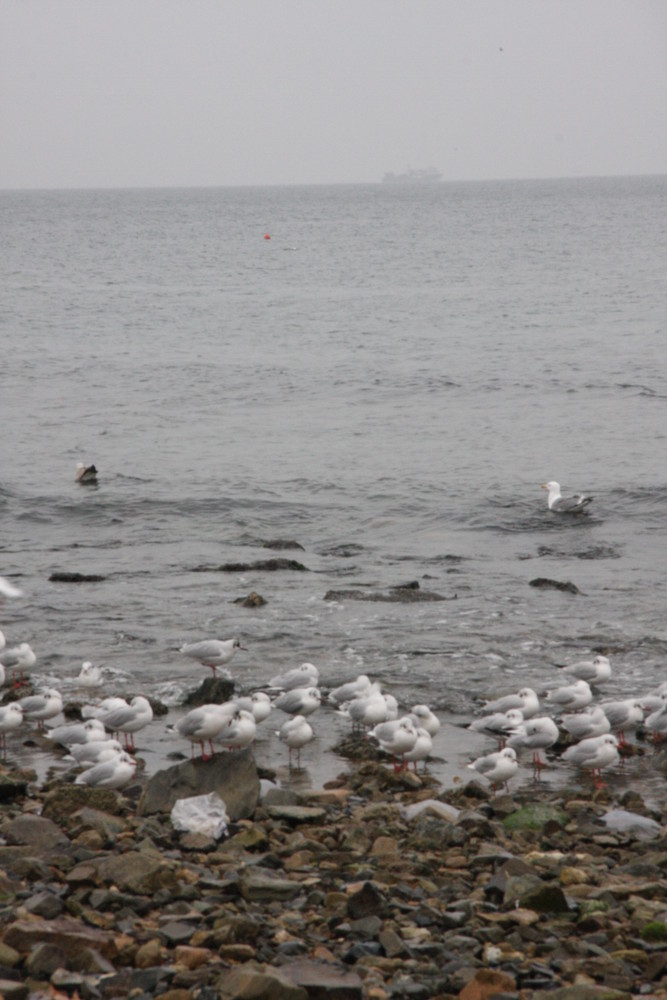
<point x="116" y="93"/>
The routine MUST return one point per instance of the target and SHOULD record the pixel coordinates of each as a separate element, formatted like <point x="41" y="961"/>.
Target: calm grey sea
<point x="387" y="380"/>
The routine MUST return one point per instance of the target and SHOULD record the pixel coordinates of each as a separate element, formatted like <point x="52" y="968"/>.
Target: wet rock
<point x="543" y="583"/>
<point x="70" y="936"/>
<point x="262" y="565"/>
<point x="44" y="904"/>
<point x="232" y="775"/>
<point x="367" y="901"/>
<point x="257" y="982"/>
<point x="211" y="691"/>
<point x="297" y="814"/>
<point x="252" y="600"/>
<point x="260" y="884"/>
<point x="281" y="544"/>
<point x="411" y="594"/>
<point x="63" y="577"/>
<point x="12" y="787"/>
<point x="13" y="990"/>
<point x="136" y="871"/>
<point x="547" y="899"/>
<point x="534" y="816"/>
<point x="35" y="831"/>
<point x="62" y="802"/>
<point x="321" y="980"/>
<point x="487" y="983"/>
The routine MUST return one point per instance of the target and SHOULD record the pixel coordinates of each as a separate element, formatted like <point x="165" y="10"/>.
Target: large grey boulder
<point x="232" y="774"/>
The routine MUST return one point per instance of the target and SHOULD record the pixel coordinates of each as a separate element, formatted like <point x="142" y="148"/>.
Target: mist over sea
<point x="387" y="381"/>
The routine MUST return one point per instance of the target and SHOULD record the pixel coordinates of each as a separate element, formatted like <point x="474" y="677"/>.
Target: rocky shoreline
<point x="377" y="886"/>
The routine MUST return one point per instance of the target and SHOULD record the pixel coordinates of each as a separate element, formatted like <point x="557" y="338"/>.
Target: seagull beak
<point x="544" y="486"/>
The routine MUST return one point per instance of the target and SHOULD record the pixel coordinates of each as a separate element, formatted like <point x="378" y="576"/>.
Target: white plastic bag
<point x="205" y="814"/>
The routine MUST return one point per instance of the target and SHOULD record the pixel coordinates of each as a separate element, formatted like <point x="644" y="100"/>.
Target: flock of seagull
<point x="519" y="721"/>
<point x="595" y="731"/>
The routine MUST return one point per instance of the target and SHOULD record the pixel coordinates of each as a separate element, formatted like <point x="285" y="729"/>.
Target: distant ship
<point x="427" y="175"/>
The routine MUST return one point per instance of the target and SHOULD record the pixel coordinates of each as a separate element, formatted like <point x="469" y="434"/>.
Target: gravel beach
<point x="377" y="885"/>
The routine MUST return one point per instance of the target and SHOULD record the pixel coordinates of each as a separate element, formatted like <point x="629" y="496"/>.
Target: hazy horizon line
<point x="442" y="182"/>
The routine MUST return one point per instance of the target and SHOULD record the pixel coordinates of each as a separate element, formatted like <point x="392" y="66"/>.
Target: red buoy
<point x="267" y="236"/>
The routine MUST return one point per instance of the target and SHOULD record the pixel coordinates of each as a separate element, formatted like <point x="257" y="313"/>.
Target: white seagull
<point x="498" y="724"/>
<point x="77" y="732"/>
<point x="583" y="725"/>
<point x="237" y="732"/>
<point x="203" y="724"/>
<point x="307" y="675"/>
<point x="421" y="749"/>
<point x="525" y="699"/>
<point x="92" y="711"/>
<point x="299" y="701"/>
<point x="8" y="589"/>
<point x="258" y="703"/>
<point x="535" y="734"/>
<point x="296" y="733"/>
<point x="44" y="705"/>
<point x="624" y="716"/>
<point x="95" y="751"/>
<point x="396" y="737"/>
<point x="656" y="723"/>
<point x="128" y="719"/>
<point x="11" y="717"/>
<point x="425" y="719"/>
<point x="351" y="689"/>
<point x="21" y="658"/>
<point x="115" y="772"/>
<point x="212" y="653"/>
<point x="570" y="696"/>
<point x="369" y="709"/>
<point x="595" y="671"/>
<point x="90" y="675"/>
<point x="565" y="505"/>
<point x="497" y="767"/>
<point x="593" y="754"/>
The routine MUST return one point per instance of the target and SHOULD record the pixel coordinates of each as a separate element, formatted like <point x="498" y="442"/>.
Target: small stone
<point x="367" y="901"/>
<point x="12" y="990"/>
<point x="574" y="876"/>
<point x="191" y="957"/>
<point x="252" y="982"/>
<point x="261" y="885"/>
<point x="149" y="954"/>
<point x="9" y="957"/>
<point x="44" y="904"/>
<point x="487" y="983"/>
<point x="392" y="944"/>
<point x="383" y="846"/>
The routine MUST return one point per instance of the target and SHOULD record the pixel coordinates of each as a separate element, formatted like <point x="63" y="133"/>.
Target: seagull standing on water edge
<point x="11" y="717"/>
<point x="39" y="707"/>
<point x="565" y="505"/>
<point x="115" y="772"/>
<point x="212" y="652"/>
<point x="595" y="671"/>
<point x="498" y="767"/>
<point x="296" y="733"/>
<point x="594" y="754"/>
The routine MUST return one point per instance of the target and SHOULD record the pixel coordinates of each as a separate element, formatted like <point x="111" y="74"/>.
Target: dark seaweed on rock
<point x="266" y="565"/>
<point x="593" y="552"/>
<point x="544" y="583"/>
<point x="60" y="577"/>
<point x="403" y="594"/>
<point x="282" y="543"/>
